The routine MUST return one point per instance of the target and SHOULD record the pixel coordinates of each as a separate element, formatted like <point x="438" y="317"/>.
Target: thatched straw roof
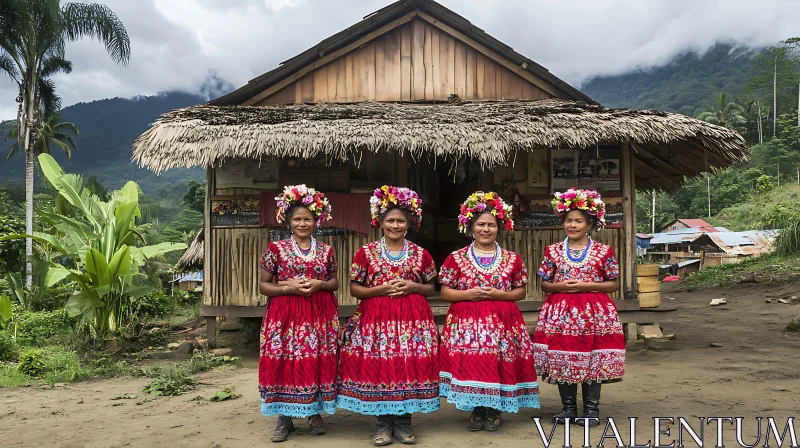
<point x="192" y="259"/>
<point x="668" y="146"/>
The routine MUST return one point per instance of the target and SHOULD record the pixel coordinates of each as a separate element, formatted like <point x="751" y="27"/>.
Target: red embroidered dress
<point x="299" y="337"/>
<point x="579" y="336"/>
<point x="388" y="359"/>
<point x="486" y="355"/>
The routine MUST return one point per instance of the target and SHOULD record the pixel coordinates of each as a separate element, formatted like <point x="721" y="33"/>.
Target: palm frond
<point x="50" y="101"/>
<point x="55" y="64"/>
<point x="65" y="126"/>
<point x="66" y="139"/>
<point x="96" y="20"/>
<point x="8" y="66"/>
<point x="14" y="149"/>
<point x="65" y="147"/>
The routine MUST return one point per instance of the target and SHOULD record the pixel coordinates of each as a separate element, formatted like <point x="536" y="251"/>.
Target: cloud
<point x="175" y="43"/>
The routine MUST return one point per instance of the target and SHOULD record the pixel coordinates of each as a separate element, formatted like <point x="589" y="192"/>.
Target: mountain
<point x="683" y="85"/>
<point x="108" y="129"/>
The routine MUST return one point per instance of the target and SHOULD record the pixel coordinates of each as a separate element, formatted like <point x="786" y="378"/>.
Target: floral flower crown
<point x="300" y="194"/>
<point x="586" y="200"/>
<point x="386" y="197"/>
<point x="479" y="202"/>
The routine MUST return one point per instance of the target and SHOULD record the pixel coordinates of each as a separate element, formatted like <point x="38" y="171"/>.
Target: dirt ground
<point x="755" y="372"/>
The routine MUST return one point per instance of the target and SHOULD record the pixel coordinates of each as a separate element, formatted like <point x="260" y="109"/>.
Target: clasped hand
<point x="479" y="293"/>
<point x="399" y="287"/>
<point x="303" y="286"/>
<point x="573" y="286"/>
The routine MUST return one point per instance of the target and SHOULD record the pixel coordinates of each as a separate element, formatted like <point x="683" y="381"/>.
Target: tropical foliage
<point x="51" y="131"/>
<point x="33" y="40"/>
<point x="101" y="249"/>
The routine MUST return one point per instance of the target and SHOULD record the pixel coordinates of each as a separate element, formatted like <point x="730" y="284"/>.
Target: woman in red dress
<point x="299" y="333"/>
<point x="486" y="355"/>
<point x="388" y="360"/>
<point x="578" y="338"/>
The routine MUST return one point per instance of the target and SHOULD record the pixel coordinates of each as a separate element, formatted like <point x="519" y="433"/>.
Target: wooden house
<point x="416" y="95"/>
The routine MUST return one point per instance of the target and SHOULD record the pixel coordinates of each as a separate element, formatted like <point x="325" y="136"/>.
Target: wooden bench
<point x="629" y="313"/>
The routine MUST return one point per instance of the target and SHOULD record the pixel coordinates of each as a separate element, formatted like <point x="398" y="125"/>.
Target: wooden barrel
<point x="648" y="286"/>
<point x="649" y="299"/>
<point x="647" y="270"/>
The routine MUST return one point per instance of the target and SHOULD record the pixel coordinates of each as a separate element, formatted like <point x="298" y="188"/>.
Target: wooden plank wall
<point x="236" y="254"/>
<point x="414" y="62"/>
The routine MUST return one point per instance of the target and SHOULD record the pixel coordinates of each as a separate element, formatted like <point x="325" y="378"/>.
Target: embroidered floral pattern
<point x="579" y="337"/>
<point x="281" y="260"/>
<point x="457" y="272"/>
<point x="370" y="269"/>
<point x="299" y="337"/>
<point x="600" y="265"/>
<point x="486" y="354"/>
<point x="388" y="357"/>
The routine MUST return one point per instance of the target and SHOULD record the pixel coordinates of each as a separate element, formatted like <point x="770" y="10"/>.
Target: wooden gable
<point x="416" y="60"/>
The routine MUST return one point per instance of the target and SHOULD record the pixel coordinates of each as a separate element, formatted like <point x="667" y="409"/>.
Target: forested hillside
<point x="108" y="129"/>
<point x="683" y="85"/>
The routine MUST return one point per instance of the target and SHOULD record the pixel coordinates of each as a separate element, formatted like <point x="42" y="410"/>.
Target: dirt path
<point x="756" y="372"/>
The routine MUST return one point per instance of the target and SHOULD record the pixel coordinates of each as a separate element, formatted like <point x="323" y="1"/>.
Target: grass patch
<point x="766" y="267"/>
<point x="10" y="376"/>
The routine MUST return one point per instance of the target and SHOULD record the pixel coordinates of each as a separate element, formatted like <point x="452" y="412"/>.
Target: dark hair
<point x="296" y="206"/>
<point x="589" y="218"/>
<point x="488" y="209"/>
<point x="406" y="213"/>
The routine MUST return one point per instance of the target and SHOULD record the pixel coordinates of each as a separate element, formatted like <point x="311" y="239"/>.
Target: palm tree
<point x="51" y="131"/>
<point x="33" y="37"/>
<point x="722" y="112"/>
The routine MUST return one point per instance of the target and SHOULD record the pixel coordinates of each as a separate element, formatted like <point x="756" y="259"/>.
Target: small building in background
<point x="191" y="282"/>
<point x="680" y="224"/>
<point x="710" y="248"/>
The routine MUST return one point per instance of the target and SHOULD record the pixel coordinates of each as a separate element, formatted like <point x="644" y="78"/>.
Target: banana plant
<point x="105" y="244"/>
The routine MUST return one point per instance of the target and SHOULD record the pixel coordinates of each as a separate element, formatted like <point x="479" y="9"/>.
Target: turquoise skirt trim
<point x="493" y="398"/>
<point x="296" y="410"/>
<point x="388" y="407"/>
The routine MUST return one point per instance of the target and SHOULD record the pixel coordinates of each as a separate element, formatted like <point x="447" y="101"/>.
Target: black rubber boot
<point x="569" y="401"/>
<point x="591" y="403"/>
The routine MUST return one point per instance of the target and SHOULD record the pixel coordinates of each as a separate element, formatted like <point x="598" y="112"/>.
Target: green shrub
<point x="171" y="382"/>
<point x="31" y="362"/>
<point x="787" y="244"/>
<point x="36" y="327"/>
<point x="8" y="347"/>
<point x="156" y="304"/>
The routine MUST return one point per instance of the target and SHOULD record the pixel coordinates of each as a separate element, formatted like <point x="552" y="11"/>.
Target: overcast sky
<point x="175" y="43"/>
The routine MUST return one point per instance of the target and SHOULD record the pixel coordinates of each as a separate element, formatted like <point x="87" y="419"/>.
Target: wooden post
<point x="208" y="277"/>
<point x="628" y="222"/>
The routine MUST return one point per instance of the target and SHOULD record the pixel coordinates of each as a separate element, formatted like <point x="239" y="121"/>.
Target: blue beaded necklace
<point x="581" y="257"/>
<point x="391" y="259"/>
<point x="486" y="267"/>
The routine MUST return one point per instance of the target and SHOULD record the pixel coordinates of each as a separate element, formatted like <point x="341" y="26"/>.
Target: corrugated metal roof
<point x="191" y="277"/>
<point x="750" y="242"/>
<point x="696" y="223"/>
<point x="676" y="236"/>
